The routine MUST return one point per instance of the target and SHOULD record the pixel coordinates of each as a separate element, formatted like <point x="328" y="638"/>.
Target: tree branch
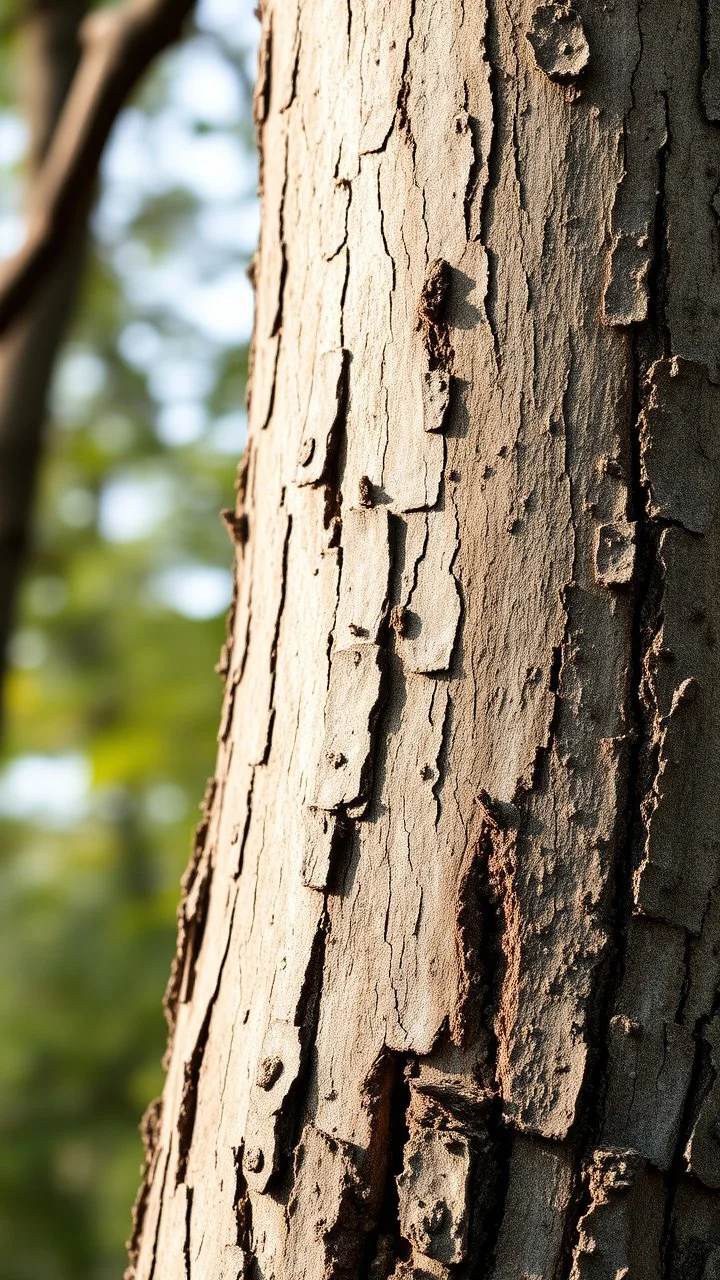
<point x="51" y="55"/>
<point x="118" y="46"/>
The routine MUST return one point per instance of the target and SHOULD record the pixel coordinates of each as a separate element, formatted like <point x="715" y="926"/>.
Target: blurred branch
<point x="118" y="46"/>
<point x="51" y="55"/>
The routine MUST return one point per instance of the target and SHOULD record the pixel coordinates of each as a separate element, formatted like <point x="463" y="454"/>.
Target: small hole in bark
<point x="254" y="1159"/>
<point x="269" y="1072"/>
<point x="433" y="1220"/>
<point x="307" y="449"/>
<point x="366" y="492"/>
<point x="558" y="41"/>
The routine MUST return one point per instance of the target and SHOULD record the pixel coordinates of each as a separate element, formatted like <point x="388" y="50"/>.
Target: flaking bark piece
<point x="679" y="444"/>
<point x="627" y="287"/>
<point x="428" y="627"/>
<point x="326" y="1211"/>
<point x="615" y="554"/>
<point x="276" y="1072"/>
<point x="703" y="1149"/>
<point x="435" y="398"/>
<point x="431" y="317"/>
<point x="539" y="1189"/>
<point x="677" y="873"/>
<point x="323" y="418"/>
<point x="625" y="300"/>
<point x="558" y="41"/>
<point x="343" y="773"/>
<point x="434" y="1193"/>
<point x="278" y="1066"/>
<point x="619" y="1233"/>
<point x="365" y="575"/>
<point x="318" y="836"/>
<point x="237" y="525"/>
<point x="650" y="1070"/>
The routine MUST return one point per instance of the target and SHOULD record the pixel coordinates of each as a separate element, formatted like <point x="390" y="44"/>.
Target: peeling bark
<point x="445" y="1002"/>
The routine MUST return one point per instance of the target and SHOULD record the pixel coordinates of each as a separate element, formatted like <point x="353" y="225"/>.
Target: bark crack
<point x="187" y="1259"/>
<point x="646" y="621"/>
<point x="191" y="1070"/>
<point x="276" y="638"/>
<point x="494" y="176"/>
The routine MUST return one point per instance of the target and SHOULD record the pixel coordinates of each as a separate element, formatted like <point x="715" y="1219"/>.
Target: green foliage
<point x="112" y="699"/>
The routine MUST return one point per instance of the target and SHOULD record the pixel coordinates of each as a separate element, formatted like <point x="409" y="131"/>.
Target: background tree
<point x="444" y="1000"/>
<point x="108" y="740"/>
<point x="80" y="68"/>
<point x="28" y="351"/>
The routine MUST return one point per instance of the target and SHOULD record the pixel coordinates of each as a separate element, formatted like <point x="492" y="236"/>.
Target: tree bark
<point x="444" y="1002"/>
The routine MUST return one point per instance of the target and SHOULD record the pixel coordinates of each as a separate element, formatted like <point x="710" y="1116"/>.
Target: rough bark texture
<point x="444" y="1002"/>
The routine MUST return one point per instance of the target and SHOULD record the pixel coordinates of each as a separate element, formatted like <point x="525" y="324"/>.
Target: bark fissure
<point x="494" y="164"/>
<point x="243" y="1213"/>
<point x="187" y="1257"/>
<point x="276" y="637"/>
<point x="191" y="1073"/>
<point x="644" y="627"/>
<point x="659" y="267"/>
<point x="384" y="1244"/>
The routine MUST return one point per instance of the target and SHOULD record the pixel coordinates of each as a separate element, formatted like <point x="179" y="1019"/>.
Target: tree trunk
<point x="444" y="999"/>
<point x="28" y="350"/>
